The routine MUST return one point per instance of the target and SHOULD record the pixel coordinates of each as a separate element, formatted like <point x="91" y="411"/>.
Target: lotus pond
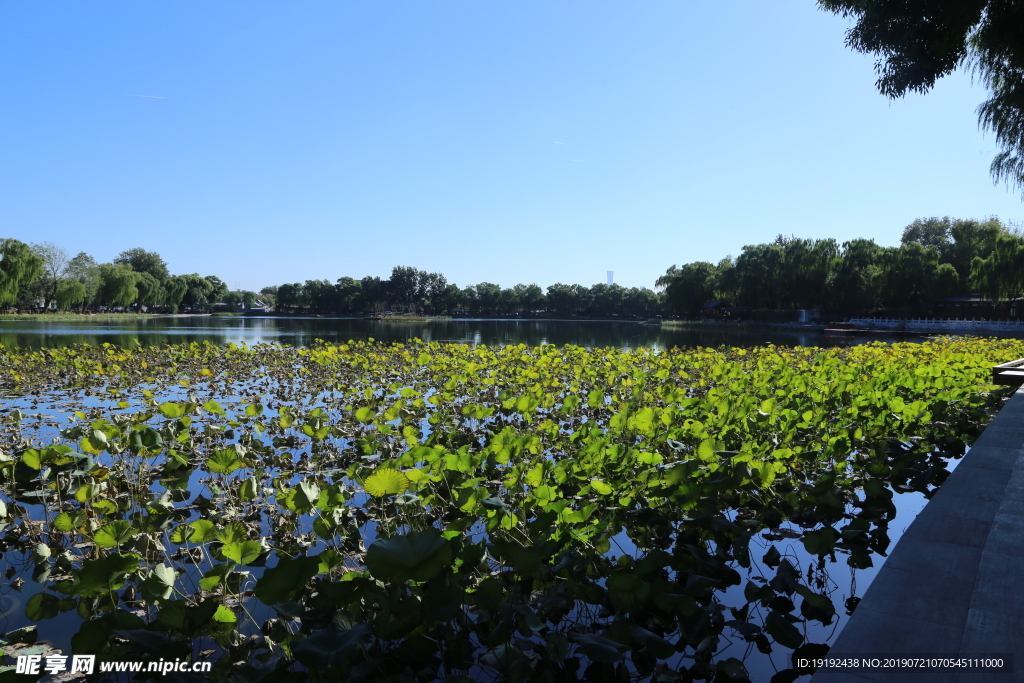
<point x="426" y="511"/>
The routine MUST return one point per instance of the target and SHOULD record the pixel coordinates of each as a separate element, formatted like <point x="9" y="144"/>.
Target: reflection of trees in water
<point x="304" y="331"/>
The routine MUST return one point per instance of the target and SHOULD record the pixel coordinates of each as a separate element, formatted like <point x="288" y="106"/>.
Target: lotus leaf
<point x="417" y="556"/>
<point x="386" y="482"/>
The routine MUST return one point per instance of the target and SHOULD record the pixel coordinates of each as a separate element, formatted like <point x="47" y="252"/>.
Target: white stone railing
<point x="953" y="325"/>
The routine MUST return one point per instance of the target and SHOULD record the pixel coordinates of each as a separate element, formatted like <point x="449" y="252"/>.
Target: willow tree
<point x="175" y="288"/>
<point x="1000" y="276"/>
<point x="919" y="41"/>
<point x="69" y="293"/>
<point x="84" y="269"/>
<point x="118" y="286"/>
<point x="19" y="267"/>
<point x="689" y="288"/>
<point x="151" y="290"/>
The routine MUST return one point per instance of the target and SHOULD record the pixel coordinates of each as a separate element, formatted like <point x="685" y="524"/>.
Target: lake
<point x="303" y="331"/>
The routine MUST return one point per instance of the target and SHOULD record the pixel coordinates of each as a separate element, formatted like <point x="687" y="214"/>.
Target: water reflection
<point x="304" y="331"/>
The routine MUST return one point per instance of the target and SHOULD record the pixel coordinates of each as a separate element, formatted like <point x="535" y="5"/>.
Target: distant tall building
<point x="611" y="277"/>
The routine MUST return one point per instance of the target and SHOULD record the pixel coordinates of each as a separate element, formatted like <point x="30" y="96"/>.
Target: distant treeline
<point x="412" y="290"/>
<point x="45" y="276"/>
<point x="938" y="257"/>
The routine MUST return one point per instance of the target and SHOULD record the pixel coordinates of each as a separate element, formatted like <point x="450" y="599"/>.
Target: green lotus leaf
<point x="114" y="534"/>
<point x="159" y="585"/>
<point x="224" y="461"/>
<point x="386" y="482"/>
<point x="243" y="552"/>
<point x="40" y="553"/>
<point x="247" y="491"/>
<point x="42" y="606"/>
<point x="417" y="556"/>
<point x="215" y="576"/>
<point x="281" y="583"/>
<point x="627" y="591"/>
<point x="204" y="530"/>
<point x="171" y="410"/>
<point x="224" y="615"/>
<point x="331" y="647"/>
<point x="97" y="577"/>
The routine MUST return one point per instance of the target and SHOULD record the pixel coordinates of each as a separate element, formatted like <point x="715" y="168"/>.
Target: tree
<point x="561" y="299"/>
<point x="929" y="232"/>
<point x="806" y="269"/>
<point x="430" y="290"/>
<point x="217" y="289"/>
<point x="958" y="242"/>
<point x="117" y="286"/>
<point x="946" y="281"/>
<point x="403" y="286"/>
<point x="488" y="297"/>
<point x="910" y="273"/>
<point x="175" y="288"/>
<point x="607" y="299"/>
<point x="151" y="291"/>
<point x="689" y="288"/>
<point x="759" y="275"/>
<point x="69" y="293"/>
<point x="143" y="261"/>
<point x="1000" y="276"/>
<point x="322" y="295"/>
<point x="919" y="41"/>
<point x="55" y="269"/>
<point x="348" y="293"/>
<point x="233" y="300"/>
<point x="508" y="301"/>
<point x="268" y="295"/>
<point x="19" y="267"/>
<point x="292" y="295"/>
<point x="83" y="269"/>
<point x="641" y="301"/>
<point x="372" y="294"/>
<point x="531" y="297"/>
<point x="972" y="238"/>
<point x="452" y="299"/>
<point x="200" y="291"/>
<point x="726" y="282"/>
<point x="469" y="300"/>
<point x="855" y="288"/>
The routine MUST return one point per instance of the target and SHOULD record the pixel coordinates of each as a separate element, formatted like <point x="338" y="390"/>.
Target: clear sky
<point x="529" y="141"/>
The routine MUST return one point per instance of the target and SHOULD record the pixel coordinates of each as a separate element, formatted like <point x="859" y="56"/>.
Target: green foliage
<point x="385" y="482"/>
<point x="19" y="267"/>
<point x="428" y="505"/>
<point x="418" y="556"/>
<point x="917" y="43"/>
<point x="937" y="258"/>
<point x="118" y="285"/>
<point x="142" y="261"/>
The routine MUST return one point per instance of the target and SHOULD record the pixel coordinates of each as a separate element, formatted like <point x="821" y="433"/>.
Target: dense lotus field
<point x="429" y="512"/>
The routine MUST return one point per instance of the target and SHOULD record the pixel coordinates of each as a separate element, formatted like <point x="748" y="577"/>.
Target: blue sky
<point x="270" y="142"/>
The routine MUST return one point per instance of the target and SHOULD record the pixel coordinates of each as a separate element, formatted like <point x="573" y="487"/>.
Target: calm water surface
<point x="303" y="332"/>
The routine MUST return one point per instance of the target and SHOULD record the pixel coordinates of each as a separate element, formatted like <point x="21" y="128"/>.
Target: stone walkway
<point x="954" y="583"/>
